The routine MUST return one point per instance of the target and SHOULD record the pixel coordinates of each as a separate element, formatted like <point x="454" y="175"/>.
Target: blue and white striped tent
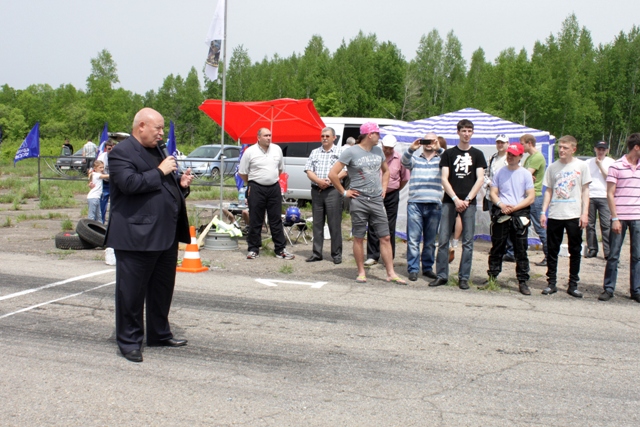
<point x="485" y="129"/>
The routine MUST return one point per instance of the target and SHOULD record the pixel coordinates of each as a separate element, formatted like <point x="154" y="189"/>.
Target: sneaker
<point x="605" y="296"/>
<point x="252" y="255"/>
<point x="369" y="262"/>
<point x="285" y="255"/>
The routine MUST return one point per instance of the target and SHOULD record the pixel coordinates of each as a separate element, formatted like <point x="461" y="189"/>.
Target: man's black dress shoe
<point x="574" y="292"/>
<point x="509" y="258"/>
<point x="591" y="254"/>
<point x="549" y="290"/>
<point x="171" y="342"/>
<point x="413" y="276"/>
<point x="336" y="261"/>
<point x="542" y="263"/>
<point x="439" y="282"/>
<point x="313" y="258"/>
<point x="133" y="356"/>
<point x="464" y="284"/>
<point x="430" y="274"/>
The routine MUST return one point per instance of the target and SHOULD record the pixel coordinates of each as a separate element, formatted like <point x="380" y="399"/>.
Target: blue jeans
<point x="94" y="209"/>
<point x="536" y="210"/>
<point x="468" y="231"/>
<point x="615" y="242"/>
<point x="422" y="223"/>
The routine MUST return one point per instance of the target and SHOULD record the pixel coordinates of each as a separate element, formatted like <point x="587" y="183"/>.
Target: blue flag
<point x="103" y="138"/>
<point x="171" y="141"/>
<point x="30" y="146"/>
<point x="239" y="181"/>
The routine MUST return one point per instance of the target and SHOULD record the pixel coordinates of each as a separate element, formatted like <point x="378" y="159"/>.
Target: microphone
<point x="163" y="148"/>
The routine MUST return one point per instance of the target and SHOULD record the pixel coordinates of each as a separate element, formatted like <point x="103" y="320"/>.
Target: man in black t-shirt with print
<point x="462" y="169"/>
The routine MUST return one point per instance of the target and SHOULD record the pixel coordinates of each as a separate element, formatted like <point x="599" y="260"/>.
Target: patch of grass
<point x="62" y="253"/>
<point x="286" y="268"/>
<point x="491" y="285"/>
<point x="536" y="275"/>
<point x="17" y="201"/>
<point x="453" y="280"/>
<point x="56" y="215"/>
<point x="7" y="222"/>
<point x="67" y="225"/>
<point x="84" y="212"/>
<point x="36" y="225"/>
<point x="266" y="249"/>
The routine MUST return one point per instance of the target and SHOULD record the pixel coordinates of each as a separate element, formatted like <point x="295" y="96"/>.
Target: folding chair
<point x="290" y="228"/>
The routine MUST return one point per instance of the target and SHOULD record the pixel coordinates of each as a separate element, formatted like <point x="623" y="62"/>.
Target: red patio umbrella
<point x="290" y="120"/>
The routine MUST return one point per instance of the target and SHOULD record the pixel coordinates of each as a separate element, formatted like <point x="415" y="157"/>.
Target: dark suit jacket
<point x="145" y="214"/>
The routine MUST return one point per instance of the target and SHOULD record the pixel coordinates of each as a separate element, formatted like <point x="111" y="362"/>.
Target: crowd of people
<point x="148" y="216"/>
<point x="565" y="198"/>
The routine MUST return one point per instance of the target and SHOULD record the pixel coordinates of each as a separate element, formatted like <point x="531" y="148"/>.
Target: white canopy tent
<point x="486" y="128"/>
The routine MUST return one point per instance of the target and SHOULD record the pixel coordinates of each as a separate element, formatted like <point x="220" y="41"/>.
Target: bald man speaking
<point x="147" y="220"/>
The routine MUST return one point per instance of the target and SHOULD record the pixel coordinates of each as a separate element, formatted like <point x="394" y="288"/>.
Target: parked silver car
<point x="205" y="161"/>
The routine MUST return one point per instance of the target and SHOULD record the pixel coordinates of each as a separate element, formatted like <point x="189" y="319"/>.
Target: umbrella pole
<point x="224" y="96"/>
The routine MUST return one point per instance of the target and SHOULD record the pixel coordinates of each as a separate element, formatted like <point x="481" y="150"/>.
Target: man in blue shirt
<point x="423" y="205"/>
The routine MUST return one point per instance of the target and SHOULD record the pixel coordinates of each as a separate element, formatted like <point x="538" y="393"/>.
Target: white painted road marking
<point x="52" y="285"/>
<point x="55" y="300"/>
<point x="272" y="282"/>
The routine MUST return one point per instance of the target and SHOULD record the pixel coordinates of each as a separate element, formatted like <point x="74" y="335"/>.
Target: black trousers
<point x="391" y="202"/>
<point x="261" y="199"/>
<point x="555" y="231"/>
<point x="501" y="233"/>
<point x="144" y="276"/>
<point x="327" y="204"/>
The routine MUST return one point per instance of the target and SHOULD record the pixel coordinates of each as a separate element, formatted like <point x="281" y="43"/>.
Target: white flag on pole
<point x="214" y="40"/>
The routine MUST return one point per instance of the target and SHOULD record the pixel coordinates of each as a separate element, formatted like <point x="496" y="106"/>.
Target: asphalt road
<point x="339" y="354"/>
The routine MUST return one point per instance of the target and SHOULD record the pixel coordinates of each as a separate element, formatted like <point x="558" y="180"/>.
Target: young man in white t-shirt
<point x="598" y="168"/>
<point x="567" y="199"/>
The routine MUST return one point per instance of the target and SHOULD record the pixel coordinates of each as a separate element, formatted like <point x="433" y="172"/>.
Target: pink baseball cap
<point x="516" y="149"/>
<point x="368" y="128"/>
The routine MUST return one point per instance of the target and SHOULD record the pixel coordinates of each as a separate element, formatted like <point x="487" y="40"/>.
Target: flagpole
<point x="224" y="96"/>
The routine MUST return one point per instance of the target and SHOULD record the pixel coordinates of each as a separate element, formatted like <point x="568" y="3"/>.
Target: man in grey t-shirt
<point x="364" y="163"/>
<point x="567" y="198"/>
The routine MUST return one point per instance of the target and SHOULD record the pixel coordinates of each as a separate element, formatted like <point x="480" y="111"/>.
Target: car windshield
<point x="205" y="152"/>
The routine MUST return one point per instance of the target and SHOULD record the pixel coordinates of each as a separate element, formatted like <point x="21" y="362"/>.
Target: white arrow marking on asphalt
<point x="271" y="282"/>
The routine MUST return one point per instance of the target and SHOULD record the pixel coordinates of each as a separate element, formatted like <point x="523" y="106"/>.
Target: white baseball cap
<point x="389" y="141"/>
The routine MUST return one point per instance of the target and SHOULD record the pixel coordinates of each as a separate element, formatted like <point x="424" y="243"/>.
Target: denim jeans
<point x="447" y="220"/>
<point x="611" y="270"/>
<point x="422" y="223"/>
<point x="94" y="209"/>
<point x="601" y="207"/>
<point x="536" y="210"/>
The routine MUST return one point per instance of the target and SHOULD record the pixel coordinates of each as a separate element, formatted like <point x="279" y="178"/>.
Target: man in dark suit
<point x="148" y="218"/>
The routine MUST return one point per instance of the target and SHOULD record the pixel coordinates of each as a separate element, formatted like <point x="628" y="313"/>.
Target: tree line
<point x="566" y="85"/>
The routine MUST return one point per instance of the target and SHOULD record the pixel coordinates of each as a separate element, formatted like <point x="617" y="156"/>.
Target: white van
<point x="296" y="153"/>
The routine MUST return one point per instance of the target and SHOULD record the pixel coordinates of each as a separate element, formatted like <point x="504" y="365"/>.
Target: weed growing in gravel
<point x="286" y="268"/>
<point x="7" y="222"/>
<point x="67" y="225"/>
<point x="491" y="285"/>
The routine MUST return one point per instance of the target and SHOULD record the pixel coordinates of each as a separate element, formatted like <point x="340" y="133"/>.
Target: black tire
<point x="91" y="231"/>
<point x="68" y="240"/>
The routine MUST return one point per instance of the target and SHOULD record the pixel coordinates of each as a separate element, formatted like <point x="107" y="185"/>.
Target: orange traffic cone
<point x="191" y="262"/>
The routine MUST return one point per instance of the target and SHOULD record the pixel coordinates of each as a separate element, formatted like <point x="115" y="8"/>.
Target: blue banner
<point x="103" y="138"/>
<point x="239" y="181"/>
<point x="171" y="141"/>
<point x="30" y="146"/>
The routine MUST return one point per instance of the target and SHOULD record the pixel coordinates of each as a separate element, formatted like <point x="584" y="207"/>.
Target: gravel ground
<point x="32" y="232"/>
